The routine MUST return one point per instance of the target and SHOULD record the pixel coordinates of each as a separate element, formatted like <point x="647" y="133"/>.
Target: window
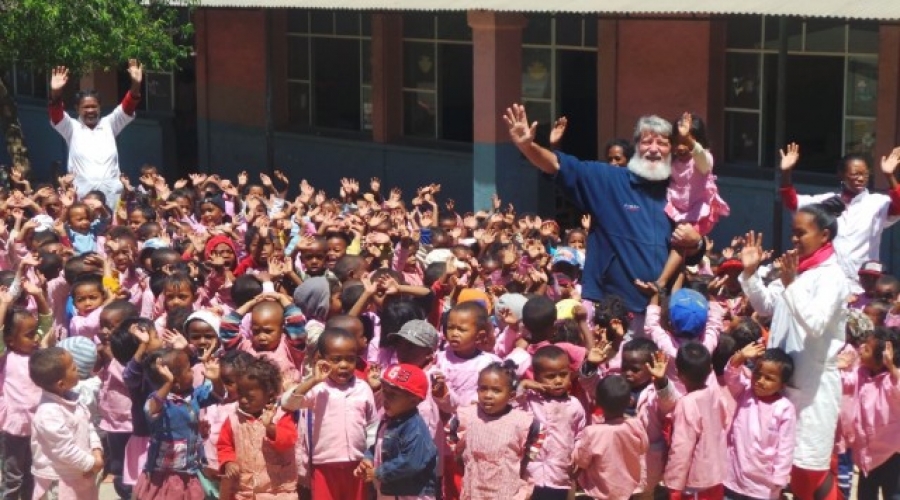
<point x="24" y="81"/>
<point x="437" y="76"/>
<point x="329" y="70"/>
<point x="559" y="77"/>
<point x="157" y="91"/>
<point x="832" y="76"/>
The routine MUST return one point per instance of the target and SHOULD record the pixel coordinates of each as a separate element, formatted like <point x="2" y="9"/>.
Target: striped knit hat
<point x="84" y="352"/>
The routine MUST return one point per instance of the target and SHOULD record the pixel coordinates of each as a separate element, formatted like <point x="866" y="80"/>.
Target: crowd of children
<point x="212" y="339"/>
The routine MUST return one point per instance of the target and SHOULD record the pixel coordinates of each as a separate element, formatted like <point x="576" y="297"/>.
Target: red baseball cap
<point x="409" y="378"/>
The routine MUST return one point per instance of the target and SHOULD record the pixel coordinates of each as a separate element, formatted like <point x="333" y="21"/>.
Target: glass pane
<point x="346" y="23"/>
<point x="159" y="92"/>
<point x="860" y="137"/>
<point x="322" y="22"/>
<point x="568" y="29"/>
<point x="418" y="25"/>
<point x="456" y="99"/>
<point x="366" y="60"/>
<point x="590" y="31"/>
<point x="367" y="108"/>
<point x="794" y="33"/>
<point x="536" y="73"/>
<point x="863" y="37"/>
<point x="23" y="80"/>
<point x="419" y="114"/>
<point x="418" y="65"/>
<point x="825" y="35"/>
<point x="366" y="23"/>
<point x="742" y="138"/>
<point x="742" y="80"/>
<point x="298" y="58"/>
<point x="40" y="84"/>
<point x="298" y="103"/>
<point x="337" y="92"/>
<point x="453" y="26"/>
<point x="537" y="30"/>
<point x="541" y="112"/>
<point x="743" y="32"/>
<point x="297" y="21"/>
<point x="862" y="86"/>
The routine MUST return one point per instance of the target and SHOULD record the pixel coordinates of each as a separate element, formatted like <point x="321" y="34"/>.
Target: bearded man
<point x="630" y="235"/>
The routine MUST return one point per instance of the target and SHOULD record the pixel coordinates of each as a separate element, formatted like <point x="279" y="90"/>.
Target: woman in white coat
<point x="807" y="308"/>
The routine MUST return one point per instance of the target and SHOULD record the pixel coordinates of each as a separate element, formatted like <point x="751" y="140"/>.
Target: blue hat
<point x="569" y="256"/>
<point x="688" y="311"/>
<point x="84" y="353"/>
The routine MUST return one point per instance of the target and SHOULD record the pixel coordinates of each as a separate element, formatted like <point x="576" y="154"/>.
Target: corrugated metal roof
<point x="847" y="9"/>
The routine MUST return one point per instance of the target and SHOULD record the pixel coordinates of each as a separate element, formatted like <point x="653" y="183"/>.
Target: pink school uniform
<point x="341" y="417"/>
<point x="875" y="423"/>
<point x="669" y="344"/>
<point x="760" y="442"/>
<point x="609" y="456"/>
<point x="139" y="292"/>
<point x="462" y="377"/>
<point x="19" y="397"/>
<point x="115" y="402"/>
<point x="651" y="409"/>
<point x="693" y="197"/>
<point x="563" y="420"/>
<point x="86" y="326"/>
<point x="697" y="453"/>
<point x="62" y="443"/>
<point x="492" y="448"/>
<point x="58" y="296"/>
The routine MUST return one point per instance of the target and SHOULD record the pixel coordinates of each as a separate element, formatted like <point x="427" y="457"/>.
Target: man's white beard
<point x="652" y="171"/>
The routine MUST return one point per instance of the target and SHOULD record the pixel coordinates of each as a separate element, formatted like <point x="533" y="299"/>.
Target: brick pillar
<point x="387" y="76"/>
<point x="497" y="77"/>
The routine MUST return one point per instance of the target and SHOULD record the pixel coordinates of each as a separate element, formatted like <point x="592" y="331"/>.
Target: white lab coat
<point x="808" y="323"/>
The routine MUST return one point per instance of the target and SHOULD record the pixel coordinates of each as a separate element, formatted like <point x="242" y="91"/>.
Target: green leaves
<point x="90" y="34"/>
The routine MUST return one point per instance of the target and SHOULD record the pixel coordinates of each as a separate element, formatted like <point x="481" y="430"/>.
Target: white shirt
<point x="859" y="230"/>
<point x="808" y="323"/>
<point x="93" y="155"/>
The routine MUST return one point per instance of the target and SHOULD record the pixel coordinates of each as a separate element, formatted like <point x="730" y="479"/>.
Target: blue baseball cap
<point x="568" y="255"/>
<point x="688" y="311"/>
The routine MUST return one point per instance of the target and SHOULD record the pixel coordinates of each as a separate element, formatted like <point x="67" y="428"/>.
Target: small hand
<point x="164" y="371"/>
<point x="658" y="367"/>
<point x="646" y="288"/>
<point x="373" y="376"/>
<point x="438" y="385"/>
<point x="559" y="128"/>
<point x="174" y="339"/>
<point x="790" y="157"/>
<point x="586" y="222"/>
<point x="321" y="370"/>
<point x="141" y="333"/>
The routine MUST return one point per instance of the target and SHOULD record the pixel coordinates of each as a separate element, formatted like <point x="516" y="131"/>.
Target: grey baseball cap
<point x="419" y="332"/>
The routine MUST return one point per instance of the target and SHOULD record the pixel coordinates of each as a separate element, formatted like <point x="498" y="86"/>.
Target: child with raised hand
<point x="231" y="365"/>
<point x="493" y="440"/>
<point x="343" y="408"/>
<point x="66" y="449"/>
<point x="761" y="439"/>
<point x="610" y="455"/>
<point x="123" y="253"/>
<point x="562" y="416"/>
<point x="23" y="335"/>
<point x="277" y="332"/>
<point x="256" y="443"/>
<point x="692" y="196"/>
<point x="696" y="464"/>
<point x="175" y="457"/>
<point x="403" y="461"/>
<point x="872" y="431"/>
<point x="85" y="222"/>
<point x="690" y="317"/>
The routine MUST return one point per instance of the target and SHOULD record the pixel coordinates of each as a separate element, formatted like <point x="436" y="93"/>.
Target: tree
<point x="84" y="35"/>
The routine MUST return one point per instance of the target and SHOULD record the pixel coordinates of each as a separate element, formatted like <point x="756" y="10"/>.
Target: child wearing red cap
<point x="403" y="461"/>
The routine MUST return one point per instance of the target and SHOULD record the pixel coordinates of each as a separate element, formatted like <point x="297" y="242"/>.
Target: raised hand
<point x="658" y="367"/>
<point x="321" y="370"/>
<point x="135" y="71"/>
<point x="586" y="222"/>
<point x="59" y="76"/>
<point x="790" y="261"/>
<point x="375" y="184"/>
<point x="164" y="371"/>
<point x="559" y="128"/>
<point x="174" y="339"/>
<point x="752" y="253"/>
<point x="266" y="180"/>
<point x="889" y="163"/>
<point x="685" y="124"/>
<point x="438" y="385"/>
<point x="790" y="157"/>
<point x="373" y="376"/>
<point x="520" y="132"/>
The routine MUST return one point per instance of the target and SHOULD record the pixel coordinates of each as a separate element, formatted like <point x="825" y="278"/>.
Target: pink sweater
<point x="115" y="402"/>
<point x="761" y="440"/>
<point x="875" y="423"/>
<point x="86" y="326"/>
<point x="669" y="344"/>
<point x="19" y="396"/>
<point x="462" y="378"/>
<point x="341" y="418"/>
<point x="609" y="456"/>
<point x="697" y="454"/>
<point x="563" y="421"/>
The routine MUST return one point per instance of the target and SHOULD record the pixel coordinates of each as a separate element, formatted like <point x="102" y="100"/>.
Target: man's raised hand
<point x="520" y="131"/>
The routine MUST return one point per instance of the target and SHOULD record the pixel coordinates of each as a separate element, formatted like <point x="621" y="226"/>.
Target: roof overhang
<point x="885" y="10"/>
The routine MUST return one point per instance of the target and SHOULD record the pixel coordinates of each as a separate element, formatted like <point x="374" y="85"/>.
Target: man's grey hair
<point x="653" y="124"/>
